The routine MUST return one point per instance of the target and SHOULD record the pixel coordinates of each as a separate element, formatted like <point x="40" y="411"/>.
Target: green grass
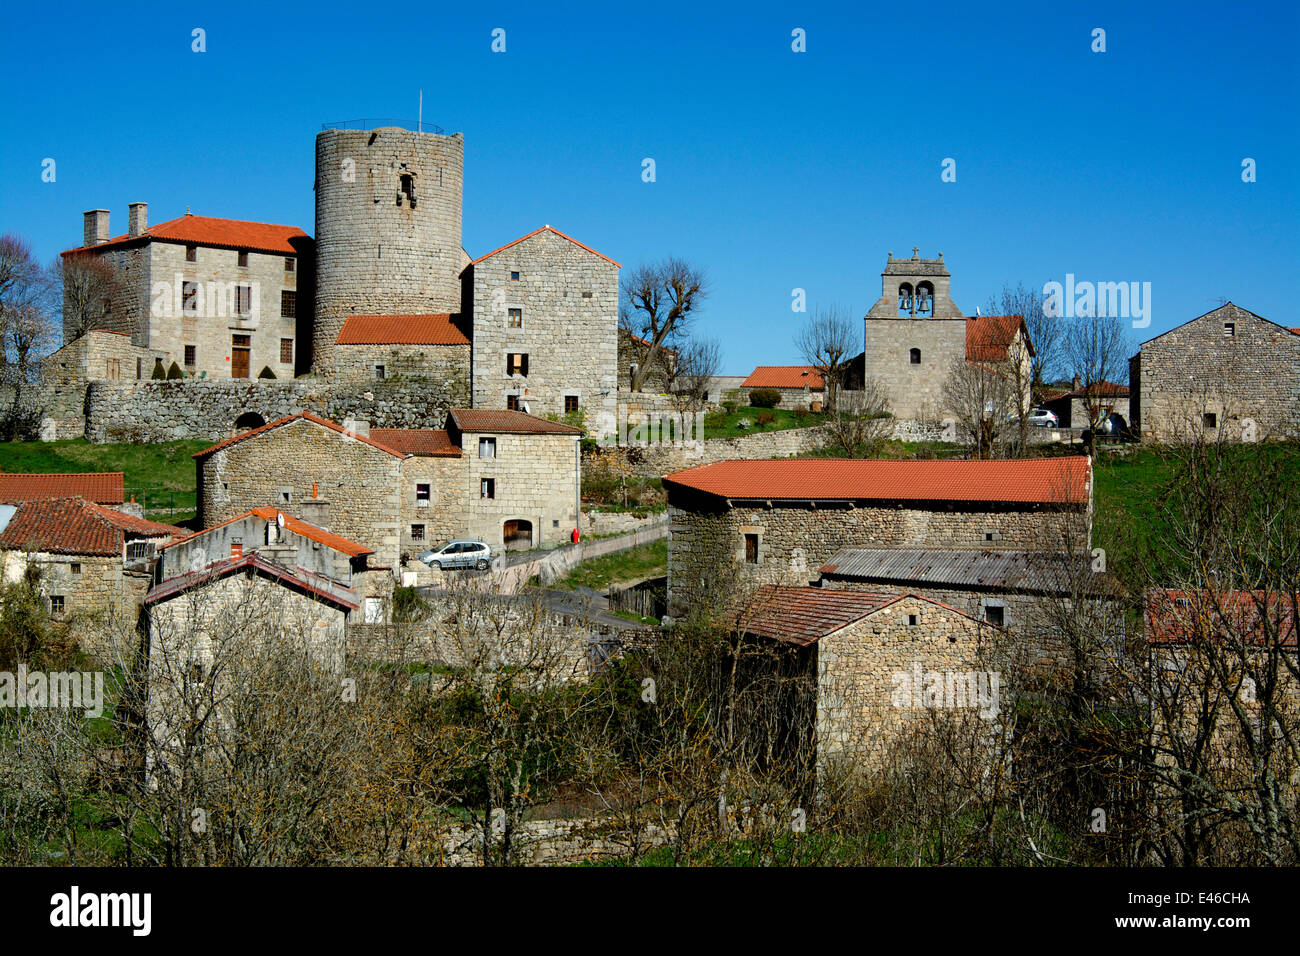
<point x="895" y="449"/>
<point x="160" y="477"/>
<point x="634" y="564"/>
<point x="727" y="425"/>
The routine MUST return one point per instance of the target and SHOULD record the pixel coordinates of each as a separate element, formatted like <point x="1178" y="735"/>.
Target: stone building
<point x="101" y="356"/>
<point x="546" y="327"/>
<point x="632" y="352"/>
<point x="1228" y="373"/>
<point x="741" y="524"/>
<point x="883" y="665"/>
<point x="95" y="564"/>
<point x="222" y="298"/>
<point x="1072" y="407"/>
<point x="915" y="334"/>
<point x="379" y="347"/>
<point x="801" y="386"/>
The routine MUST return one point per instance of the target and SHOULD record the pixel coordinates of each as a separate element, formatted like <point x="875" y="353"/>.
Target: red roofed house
<point x="95" y="563"/>
<point x="222" y="298"/>
<point x="432" y="346"/>
<point x="101" y="487"/>
<point x="1072" y="407"/>
<point x="916" y="335"/>
<point x="873" y="669"/>
<point x="801" y="386"/>
<point x="778" y="521"/>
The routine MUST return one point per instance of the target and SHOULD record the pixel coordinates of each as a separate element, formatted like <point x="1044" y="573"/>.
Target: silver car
<point x="459" y="554"/>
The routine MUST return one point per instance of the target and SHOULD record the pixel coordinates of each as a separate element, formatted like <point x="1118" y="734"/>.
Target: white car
<point x="1043" y="418"/>
<point x="459" y="554"/>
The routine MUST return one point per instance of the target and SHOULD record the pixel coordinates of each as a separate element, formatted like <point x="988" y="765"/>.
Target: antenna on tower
<point x="419" y="122"/>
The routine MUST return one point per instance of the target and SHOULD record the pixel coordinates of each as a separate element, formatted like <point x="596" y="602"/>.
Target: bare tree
<point x="1045" y="332"/>
<point x="90" y="290"/>
<point x="827" y="341"/>
<point x="659" y="302"/>
<point x="860" y="420"/>
<point x="1096" y="349"/>
<point x="982" y="398"/>
<point x="698" y="362"/>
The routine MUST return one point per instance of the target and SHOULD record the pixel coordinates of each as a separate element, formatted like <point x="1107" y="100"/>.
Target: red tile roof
<point x="989" y="336"/>
<point x="299" y="527"/>
<point x="104" y="487"/>
<point x="307" y="416"/>
<point x="75" y="526"/>
<point x="423" y="442"/>
<point x="646" y="342"/>
<point x="1193" y="617"/>
<point x="507" y="422"/>
<point x="1100" y="389"/>
<point x="424" y="329"/>
<point x="1025" y="481"/>
<point x="304" y="581"/>
<point x="803" y="615"/>
<point x="210" y="231"/>
<point x="545" y="229"/>
<point x="784" y="376"/>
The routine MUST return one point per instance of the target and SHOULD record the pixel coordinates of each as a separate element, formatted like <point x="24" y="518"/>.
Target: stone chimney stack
<point x="138" y="220"/>
<point x="95" y="228"/>
<point x="315" y="510"/>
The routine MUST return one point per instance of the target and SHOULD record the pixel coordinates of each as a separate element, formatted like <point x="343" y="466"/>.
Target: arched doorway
<point x="249" y="420"/>
<point x="518" y="534"/>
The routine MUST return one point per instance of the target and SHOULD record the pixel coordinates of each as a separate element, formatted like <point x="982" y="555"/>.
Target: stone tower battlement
<point x="388" y="227"/>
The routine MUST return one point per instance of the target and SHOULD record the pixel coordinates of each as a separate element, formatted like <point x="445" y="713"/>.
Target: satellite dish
<point x="279" y="518"/>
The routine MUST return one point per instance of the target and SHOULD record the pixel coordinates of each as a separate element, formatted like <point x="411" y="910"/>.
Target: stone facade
<point x="631" y="351"/>
<point x="867" y="675"/>
<point x="1229" y="373"/>
<point x="432" y="519"/>
<point x="388" y="227"/>
<point x="444" y="367"/>
<point x="280" y="466"/>
<point x="100" y="356"/>
<point x="795" y="540"/>
<point x="566" y="297"/>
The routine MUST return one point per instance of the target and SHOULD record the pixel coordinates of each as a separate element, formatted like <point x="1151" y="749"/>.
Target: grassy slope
<point x="621" y="566"/>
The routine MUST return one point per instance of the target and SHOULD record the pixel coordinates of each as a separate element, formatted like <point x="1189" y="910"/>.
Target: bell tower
<point x="915" y="288"/>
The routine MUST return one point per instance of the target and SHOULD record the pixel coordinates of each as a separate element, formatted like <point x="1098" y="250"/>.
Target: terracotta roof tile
<point x="803" y="615"/>
<point x="989" y="336"/>
<point x="1102" y="389"/>
<point x="307" y="416"/>
<point x="1192" y="617"/>
<point x="507" y="422"/>
<point x="299" y="527"/>
<point x="312" y="584"/>
<point x="545" y="229"/>
<point x="210" y="231"/>
<point x="784" y="376"/>
<point x="1027" y="481"/>
<point x="423" y="329"/>
<point x="423" y="442"/>
<point x="104" y="487"/>
<point x="75" y="526"/>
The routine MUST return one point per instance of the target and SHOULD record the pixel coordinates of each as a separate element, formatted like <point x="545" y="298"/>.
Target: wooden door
<point x="239" y="351"/>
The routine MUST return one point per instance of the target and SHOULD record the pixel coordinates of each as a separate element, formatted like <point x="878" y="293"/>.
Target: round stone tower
<point x="388" y="236"/>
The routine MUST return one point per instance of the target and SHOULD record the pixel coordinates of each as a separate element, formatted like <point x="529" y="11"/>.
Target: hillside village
<point x="879" y="560"/>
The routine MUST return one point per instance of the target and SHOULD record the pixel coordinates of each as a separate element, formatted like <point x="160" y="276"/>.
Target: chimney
<point x="361" y="427"/>
<point x="95" y="228"/>
<point x="1076" y="383"/>
<point x="315" y="511"/>
<point x="138" y="219"/>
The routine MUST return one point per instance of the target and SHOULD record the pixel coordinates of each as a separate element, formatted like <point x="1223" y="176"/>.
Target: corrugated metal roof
<point x="1011" y="570"/>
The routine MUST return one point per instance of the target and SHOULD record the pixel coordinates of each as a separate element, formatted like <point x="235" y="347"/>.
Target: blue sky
<point x="775" y="169"/>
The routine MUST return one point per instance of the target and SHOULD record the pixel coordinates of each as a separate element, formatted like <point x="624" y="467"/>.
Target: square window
<point x="423" y="492"/>
<point x="911" y="620"/>
<point x="76" y="567"/>
<point x="517" y="364"/>
<point x="488" y="488"/>
<point x="417" y="532"/>
<point x="516" y="318"/>
<point x="995" y="614"/>
<point x="243" y="258"/>
<point x="288" y="264"/>
<point x="555" y="523"/>
<point x="570" y="403"/>
<point x="191" y="253"/>
<point x="1210" y="420"/>
<point x="56" y="603"/>
<point x="288" y="304"/>
<point x="286" y="351"/>
<point x="1229" y="329"/>
<point x="514" y="276"/>
<point x="512" y="403"/>
<point x="487" y="447"/>
<point x="285" y="495"/>
<point x="191" y="356"/>
<point x="379" y="371"/>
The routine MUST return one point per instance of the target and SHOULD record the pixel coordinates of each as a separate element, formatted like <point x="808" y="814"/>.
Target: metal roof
<point x="1010" y="570"/>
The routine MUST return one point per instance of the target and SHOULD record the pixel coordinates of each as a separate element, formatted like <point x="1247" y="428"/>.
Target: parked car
<point x="1040" y="417"/>
<point x="459" y="554"/>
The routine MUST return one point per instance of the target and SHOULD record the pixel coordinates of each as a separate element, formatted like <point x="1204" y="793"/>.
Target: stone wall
<point x="793" y="542"/>
<point x="360" y="480"/>
<point x="664" y="458"/>
<point x="444" y="516"/>
<point x="864" y="711"/>
<point x="535" y="479"/>
<point x="444" y="364"/>
<point x="568" y="296"/>
<point x="1251" y="376"/>
<point x="914" y="391"/>
<point x="166" y="411"/>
